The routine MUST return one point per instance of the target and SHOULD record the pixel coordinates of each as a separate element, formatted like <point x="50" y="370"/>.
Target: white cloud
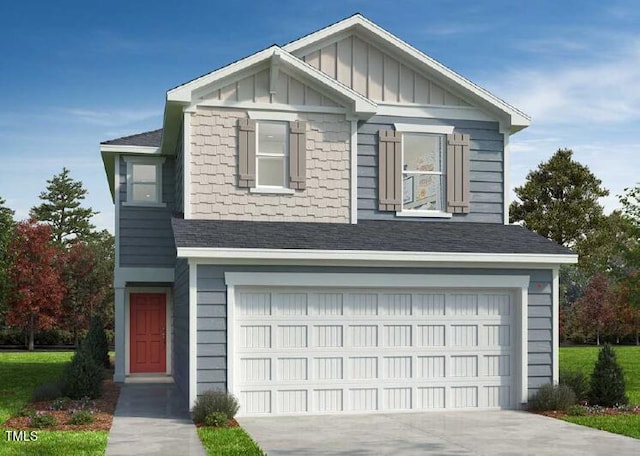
<point x="111" y="118"/>
<point x="449" y="30"/>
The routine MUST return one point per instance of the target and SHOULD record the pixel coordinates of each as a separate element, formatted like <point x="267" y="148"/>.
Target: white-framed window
<point x="272" y="155"/>
<point x="423" y="172"/>
<point x="144" y="181"/>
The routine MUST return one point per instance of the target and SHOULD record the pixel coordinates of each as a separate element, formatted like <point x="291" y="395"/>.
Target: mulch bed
<point x="103" y="409"/>
<point x="232" y="423"/>
<point x="601" y="411"/>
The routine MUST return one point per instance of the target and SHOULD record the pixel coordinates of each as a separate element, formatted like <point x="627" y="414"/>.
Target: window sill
<point x="143" y="204"/>
<point x="273" y="190"/>
<point x="424" y="214"/>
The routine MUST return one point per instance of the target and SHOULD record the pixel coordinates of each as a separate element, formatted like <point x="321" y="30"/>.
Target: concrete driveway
<point x="445" y="433"/>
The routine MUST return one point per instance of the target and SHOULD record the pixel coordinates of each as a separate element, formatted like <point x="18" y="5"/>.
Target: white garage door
<point x="352" y="351"/>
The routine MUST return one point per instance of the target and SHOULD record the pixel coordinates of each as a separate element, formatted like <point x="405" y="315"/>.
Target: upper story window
<point x="423" y="172"/>
<point x="144" y="181"/>
<point x="272" y="154"/>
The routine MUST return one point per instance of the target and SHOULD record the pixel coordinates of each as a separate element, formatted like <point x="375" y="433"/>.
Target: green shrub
<point x="81" y="417"/>
<point x="60" y="404"/>
<point x="577" y="381"/>
<point x="216" y="419"/>
<point x="97" y="343"/>
<point x="46" y="392"/>
<point x="552" y="397"/>
<point x="42" y="420"/>
<point x="26" y="411"/>
<point x="82" y="377"/>
<point x="607" y="380"/>
<point x="576" y="410"/>
<point x="214" y="401"/>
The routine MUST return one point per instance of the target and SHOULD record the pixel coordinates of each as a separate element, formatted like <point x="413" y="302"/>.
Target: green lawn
<point x="20" y="372"/>
<point x="228" y="442"/>
<point x="583" y="359"/>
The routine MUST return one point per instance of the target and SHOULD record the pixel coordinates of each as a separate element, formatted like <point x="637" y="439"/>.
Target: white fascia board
<point x="124" y="275"/>
<point x="367" y="255"/>
<point x="433" y="129"/>
<point x="519" y="119"/>
<point x="375" y="280"/>
<point x="117" y="149"/>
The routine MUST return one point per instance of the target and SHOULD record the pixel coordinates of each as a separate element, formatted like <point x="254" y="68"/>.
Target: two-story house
<point x="322" y="227"/>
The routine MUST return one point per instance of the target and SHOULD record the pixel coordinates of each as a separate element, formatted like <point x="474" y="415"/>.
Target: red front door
<point x="148" y="320"/>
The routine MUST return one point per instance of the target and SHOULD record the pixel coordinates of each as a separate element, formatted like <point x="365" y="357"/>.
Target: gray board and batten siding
<point x="180" y="343"/>
<point x="486" y="168"/>
<point x="212" y="316"/>
<point x="146" y="238"/>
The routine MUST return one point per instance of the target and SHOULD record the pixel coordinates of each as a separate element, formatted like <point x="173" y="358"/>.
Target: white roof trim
<point x="369" y="255"/>
<point x="518" y="119"/>
<point x="115" y="149"/>
<point x="361" y="104"/>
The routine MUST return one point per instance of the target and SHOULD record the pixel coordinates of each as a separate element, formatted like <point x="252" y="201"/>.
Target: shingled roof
<point x="370" y="235"/>
<point x="148" y="138"/>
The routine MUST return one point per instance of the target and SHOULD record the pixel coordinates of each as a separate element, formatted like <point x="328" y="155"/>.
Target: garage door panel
<point x="333" y="351"/>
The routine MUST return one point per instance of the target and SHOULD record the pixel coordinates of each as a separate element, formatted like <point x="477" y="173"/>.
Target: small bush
<point x="214" y="401"/>
<point x="607" y="380"/>
<point x="216" y="419"/>
<point x="577" y="381"/>
<point x="97" y="343"/>
<point x="27" y="411"/>
<point x="79" y="417"/>
<point x="83" y="377"/>
<point x="60" y="404"/>
<point x="552" y="397"/>
<point x="576" y="410"/>
<point x="42" y="420"/>
<point x="46" y="392"/>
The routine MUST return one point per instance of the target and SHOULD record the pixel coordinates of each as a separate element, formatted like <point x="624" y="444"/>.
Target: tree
<point x="61" y="208"/>
<point x="627" y="293"/>
<point x="607" y="380"/>
<point x="559" y="200"/>
<point x="595" y="312"/>
<point x="631" y="209"/>
<point x="6" y="231"/>
<point x="36" y="287"/>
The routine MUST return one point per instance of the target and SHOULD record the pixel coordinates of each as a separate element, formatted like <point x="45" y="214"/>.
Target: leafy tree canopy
<point x="559" y="200"/>
<point x="62" y="209"/>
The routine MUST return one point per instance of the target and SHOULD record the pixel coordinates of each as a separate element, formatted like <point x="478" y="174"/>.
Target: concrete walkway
<point x="151" y="419"/>
<point x="495" y="433"/>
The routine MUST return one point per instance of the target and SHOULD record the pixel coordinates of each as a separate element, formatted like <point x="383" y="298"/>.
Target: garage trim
<point x="518" y="283"/>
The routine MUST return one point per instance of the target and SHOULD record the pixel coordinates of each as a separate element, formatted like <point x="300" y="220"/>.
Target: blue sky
<point x="77" y="73"/>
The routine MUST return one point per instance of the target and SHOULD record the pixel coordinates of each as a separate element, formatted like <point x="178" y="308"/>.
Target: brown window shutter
<point x="390" y="171"/>
<point x="458" y="194"/>
<point x="246" y="153"/>
<point x="298" y="155"/>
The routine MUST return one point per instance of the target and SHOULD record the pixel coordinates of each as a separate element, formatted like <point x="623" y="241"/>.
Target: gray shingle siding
<point x="486" y="168"/>
<point x="180" y="347"/>
<point x="212" y="314"/>
<point x="146" y="238"/>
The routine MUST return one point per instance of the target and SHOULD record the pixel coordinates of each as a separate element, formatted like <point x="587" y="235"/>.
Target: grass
<point x="64" y="443"/>
<point x="583" y="359"/>
<point x="20" y="373"/>
<point x="228" y="442"/>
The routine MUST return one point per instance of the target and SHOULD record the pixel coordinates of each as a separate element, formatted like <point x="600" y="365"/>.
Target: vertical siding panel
<point x="421" y="90"/>
<point x="245" y="89"/>
<point x="312" y="97"/>
<point x="328" y="60"/>
<point x="229" y="93"/>
<point x="436" y="94"/>
<point x="296" y="92"/>
<point x="313" y="59"/>
<point x="406" y="85"/>
<point x="450" y="99"/>
<point x="375" y="73"/>
<point x="262" y="87"/>
<point x="360" y="67"/>
<point x="344" y="61"/>
<point x="391" y="80"/>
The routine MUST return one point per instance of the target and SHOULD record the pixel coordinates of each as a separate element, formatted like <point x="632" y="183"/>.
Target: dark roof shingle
<point x="401" y="236"/>
<point x="148" y="139"/>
